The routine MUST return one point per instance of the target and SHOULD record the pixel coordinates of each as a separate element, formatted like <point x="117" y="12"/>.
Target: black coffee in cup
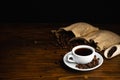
<point x="83" y="51"/>
<point x="82" y="54"/>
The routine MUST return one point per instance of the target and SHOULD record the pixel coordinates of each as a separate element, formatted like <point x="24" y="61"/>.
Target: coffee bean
<point x="92" y="64"/>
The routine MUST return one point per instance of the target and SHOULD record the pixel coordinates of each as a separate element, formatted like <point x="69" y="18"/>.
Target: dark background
<point x="60" y="11"/>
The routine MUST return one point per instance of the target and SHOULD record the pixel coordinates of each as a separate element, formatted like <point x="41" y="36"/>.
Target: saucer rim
<point x="89" y="69"/>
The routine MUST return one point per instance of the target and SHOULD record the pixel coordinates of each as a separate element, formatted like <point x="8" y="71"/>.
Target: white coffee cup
<point x="81" y="54"/>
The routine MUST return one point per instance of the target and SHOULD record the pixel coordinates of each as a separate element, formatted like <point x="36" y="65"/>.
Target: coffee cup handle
<point x="70" y="58"/>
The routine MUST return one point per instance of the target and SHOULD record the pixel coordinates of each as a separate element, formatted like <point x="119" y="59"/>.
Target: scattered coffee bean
<point x="40" y="76"/>
<point x="55" y="52"/>
<point x="56" y="62"/>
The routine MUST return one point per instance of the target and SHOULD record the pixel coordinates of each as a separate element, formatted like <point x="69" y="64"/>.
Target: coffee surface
<point x="83" y="51"/>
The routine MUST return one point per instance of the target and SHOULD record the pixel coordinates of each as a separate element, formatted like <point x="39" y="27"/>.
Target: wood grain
<point x="27" y="52"/>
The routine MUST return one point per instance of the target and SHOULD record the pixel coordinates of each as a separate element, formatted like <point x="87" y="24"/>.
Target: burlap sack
<point x="103" y="38"/>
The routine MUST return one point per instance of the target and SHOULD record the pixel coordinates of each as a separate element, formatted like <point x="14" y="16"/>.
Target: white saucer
<point x="73" y="65"/>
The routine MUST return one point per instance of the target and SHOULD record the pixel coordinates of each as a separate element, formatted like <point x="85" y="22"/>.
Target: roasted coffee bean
<point x="82" y="66"/>
<point x="92" y="64"/>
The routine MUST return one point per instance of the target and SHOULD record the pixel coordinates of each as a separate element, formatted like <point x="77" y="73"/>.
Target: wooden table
<point x="27" y="53"/>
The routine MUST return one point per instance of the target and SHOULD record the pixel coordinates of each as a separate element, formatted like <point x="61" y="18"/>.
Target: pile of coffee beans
<point x="62" y="37"/>
<point x="92" y="64"/>
<point x="111" y="51"/>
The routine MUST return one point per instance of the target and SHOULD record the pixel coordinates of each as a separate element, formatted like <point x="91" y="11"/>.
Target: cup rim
<point x="83" y="46"/>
